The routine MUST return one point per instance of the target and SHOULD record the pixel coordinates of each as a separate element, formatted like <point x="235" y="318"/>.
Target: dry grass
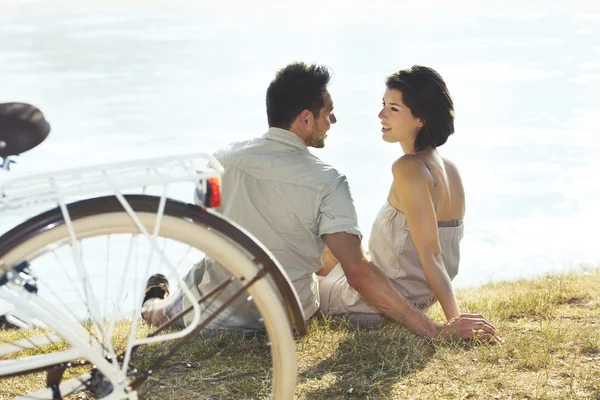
<point x="551" y="328"/>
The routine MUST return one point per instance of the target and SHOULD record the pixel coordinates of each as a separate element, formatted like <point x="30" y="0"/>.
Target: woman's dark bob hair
<point x="425" y="93"/>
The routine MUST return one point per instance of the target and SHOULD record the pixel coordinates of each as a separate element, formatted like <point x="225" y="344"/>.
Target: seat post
<point x="5" y="162"/>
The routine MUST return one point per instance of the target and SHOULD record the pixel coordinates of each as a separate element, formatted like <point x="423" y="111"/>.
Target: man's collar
<point x="285" y="136"/>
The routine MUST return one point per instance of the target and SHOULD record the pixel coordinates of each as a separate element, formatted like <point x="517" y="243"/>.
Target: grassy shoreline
<point x="551" y="328"/>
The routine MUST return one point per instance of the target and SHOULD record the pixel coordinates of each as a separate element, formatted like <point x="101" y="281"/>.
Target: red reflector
<point x="214" y="192"/>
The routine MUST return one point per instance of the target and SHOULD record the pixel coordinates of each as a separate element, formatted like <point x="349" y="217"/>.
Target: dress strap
<point x="434" y="182"/>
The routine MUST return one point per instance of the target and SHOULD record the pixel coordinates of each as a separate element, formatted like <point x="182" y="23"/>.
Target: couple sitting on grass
<point x="301" y="209"/>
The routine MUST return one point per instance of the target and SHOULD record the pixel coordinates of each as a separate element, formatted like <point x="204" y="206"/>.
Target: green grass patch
<point x="551" y="328"/>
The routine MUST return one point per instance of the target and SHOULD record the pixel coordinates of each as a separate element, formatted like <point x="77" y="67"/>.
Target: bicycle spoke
<point x="64" y="271"/>
<point x="121" y="292"/>
<point x="92" y="303"/>
<point x="106" y="275"/>
<point x="223" y="322"/>
<point x="80" y="281"/>
<point x="179" y="263"/>
<point x="60" y="301"/>
<point x="70" y="279"/>
<point x="77" y="256"/>
<point x="31" y="343"/>
<point x="210" y="294"/>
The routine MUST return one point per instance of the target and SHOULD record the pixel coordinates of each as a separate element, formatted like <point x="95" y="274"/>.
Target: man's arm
<point x="372" y="284"/>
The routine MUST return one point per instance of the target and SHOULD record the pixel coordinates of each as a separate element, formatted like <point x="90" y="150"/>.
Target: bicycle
<point x="81" y="323"/>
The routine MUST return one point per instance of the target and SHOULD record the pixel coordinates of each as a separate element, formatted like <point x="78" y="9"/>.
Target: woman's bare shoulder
<point x="409" y="168"/>
<point x="451" y="169"/>
<point x="448" y="164"/>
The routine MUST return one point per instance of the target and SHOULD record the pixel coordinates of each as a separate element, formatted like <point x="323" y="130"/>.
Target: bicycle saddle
<point x="22" y="127"/>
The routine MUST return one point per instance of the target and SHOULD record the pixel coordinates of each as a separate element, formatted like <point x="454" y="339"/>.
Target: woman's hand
<point x="470" y="326"/>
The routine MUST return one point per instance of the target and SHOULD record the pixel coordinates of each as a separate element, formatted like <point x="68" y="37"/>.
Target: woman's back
<point x="391" y="244"/>
<point x="446" y="192"/>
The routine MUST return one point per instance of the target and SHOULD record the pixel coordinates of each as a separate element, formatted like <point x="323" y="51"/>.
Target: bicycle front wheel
<point x="81" y="324"/>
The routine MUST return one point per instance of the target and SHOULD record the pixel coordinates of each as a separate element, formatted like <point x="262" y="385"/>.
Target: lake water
<point x="127" y="79"/>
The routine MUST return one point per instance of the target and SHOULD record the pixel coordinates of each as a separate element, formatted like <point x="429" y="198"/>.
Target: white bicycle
<point x="73" y="278"/>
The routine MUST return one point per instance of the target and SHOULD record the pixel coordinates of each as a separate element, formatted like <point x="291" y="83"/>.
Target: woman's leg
<point x="329" y="262"/>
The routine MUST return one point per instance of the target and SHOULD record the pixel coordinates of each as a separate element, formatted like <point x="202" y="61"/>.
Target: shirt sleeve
<point x="337" y="212"/>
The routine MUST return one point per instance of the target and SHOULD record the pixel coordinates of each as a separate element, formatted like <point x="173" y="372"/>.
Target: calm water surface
<point x="123" y="80"/>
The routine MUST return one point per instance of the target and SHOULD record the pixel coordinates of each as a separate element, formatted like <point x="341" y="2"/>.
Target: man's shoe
<point x="157" y="287"/>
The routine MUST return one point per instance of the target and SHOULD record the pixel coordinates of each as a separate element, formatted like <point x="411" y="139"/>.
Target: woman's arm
<point x="411" y="188"/>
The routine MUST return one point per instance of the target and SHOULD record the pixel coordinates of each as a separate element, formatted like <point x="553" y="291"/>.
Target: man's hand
<point x="470" y="326"/>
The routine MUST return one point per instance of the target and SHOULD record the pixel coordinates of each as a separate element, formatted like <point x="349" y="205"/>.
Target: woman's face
<point x="398" y="122"/>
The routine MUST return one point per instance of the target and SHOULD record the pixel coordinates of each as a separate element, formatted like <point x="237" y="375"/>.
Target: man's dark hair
<point x="296" y="87"/>
<point x="425" y="93"/>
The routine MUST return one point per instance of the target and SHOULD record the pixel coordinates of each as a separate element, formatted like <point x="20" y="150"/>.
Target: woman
<point x="416" y="236"/>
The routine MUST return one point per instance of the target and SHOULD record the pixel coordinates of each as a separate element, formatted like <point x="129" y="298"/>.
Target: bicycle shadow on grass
<point x="226" y="365"/>
<point x="357" y="362"/>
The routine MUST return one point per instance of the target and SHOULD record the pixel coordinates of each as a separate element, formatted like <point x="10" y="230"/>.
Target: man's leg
<point x="335" y="285"/>
<point x="158" y="311"/>
<point x="158" y="307"/>
<point x="241" y="314"/>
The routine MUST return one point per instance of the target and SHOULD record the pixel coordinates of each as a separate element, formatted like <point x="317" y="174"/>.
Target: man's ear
<point x="421" y="123"/>
<point x="306" y="118"/>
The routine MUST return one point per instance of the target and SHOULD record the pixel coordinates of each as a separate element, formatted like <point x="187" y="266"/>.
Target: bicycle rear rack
<point x="54" y="186"/>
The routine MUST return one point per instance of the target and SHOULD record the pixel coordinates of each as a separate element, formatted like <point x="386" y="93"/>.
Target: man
<point x="297" y="205"/>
